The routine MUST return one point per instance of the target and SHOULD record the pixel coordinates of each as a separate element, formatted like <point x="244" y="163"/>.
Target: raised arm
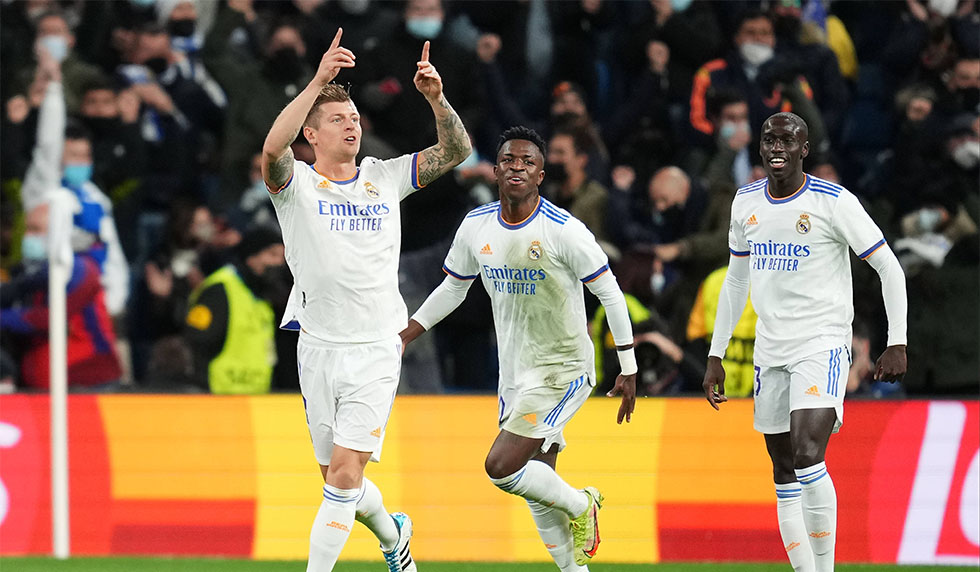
<point x="44" y="173"/>
<point x="454" y="143"/>
<point x="277" y="156"/>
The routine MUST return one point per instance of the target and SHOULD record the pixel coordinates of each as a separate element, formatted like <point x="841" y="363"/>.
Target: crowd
<point x="152" y="114"/>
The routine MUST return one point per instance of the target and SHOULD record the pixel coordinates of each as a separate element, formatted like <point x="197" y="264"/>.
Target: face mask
<point x="730" y="128"/>
<point x="203" y="232"/>
<point x="355" y="7"/>
<point x="787" y="27"/>
<point x="181" y="28"/>
<point x="967" y="154"/>
<point x="101" y="125"/>
<point x="556" y="172"/>
<point x="142" y="3"/>
<point x="424" y="28"/>
<point x="33" y="247"/>
<point x="657" y="282"/>
<point x="78" y="174"/>
<point x="944" y="8"/>
<point x="157" y="65"/>
<point x="56" y="46"/>
<point x="929" y="219"/>
<point x="755" y="54"/>
<point x="970" y="98"/>
<point x="284" y="64"/>
<point x="680" y="5"/>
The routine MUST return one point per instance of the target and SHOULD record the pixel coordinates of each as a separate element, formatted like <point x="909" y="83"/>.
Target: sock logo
<point x="791" y="546"/>
<point x="338" y="526"/>
<point x="550" y="546"/>
<point x="813" y="391"/>
<point x="821" y="534"/>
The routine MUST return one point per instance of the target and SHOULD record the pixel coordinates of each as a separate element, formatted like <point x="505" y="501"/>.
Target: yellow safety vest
<point x="245" y="363"/>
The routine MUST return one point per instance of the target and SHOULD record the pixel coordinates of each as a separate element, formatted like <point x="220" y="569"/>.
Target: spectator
<point x="231" y="324"/>
<point x="570" y="187"/>
<point x="731" y="164"/>
<point x="962" y="88"/>
<point x="92" y="360"/>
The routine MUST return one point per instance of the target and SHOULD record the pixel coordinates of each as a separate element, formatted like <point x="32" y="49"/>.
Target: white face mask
<point x="57" y="46"/>
<point x="967" y="154"/>
<point x="929" y="219"/>
<point x="755" y="54"/>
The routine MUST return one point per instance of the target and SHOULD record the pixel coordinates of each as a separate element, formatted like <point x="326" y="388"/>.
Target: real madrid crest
<point x="535" y="252"/>
<point x="803" y="224"/>
<point x="371" y="190"/>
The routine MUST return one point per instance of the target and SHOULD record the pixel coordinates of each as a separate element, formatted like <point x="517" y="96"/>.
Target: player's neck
<point x="786" y="187"/>
<point x="336" y="168"/>
<point x="516" y="212"/>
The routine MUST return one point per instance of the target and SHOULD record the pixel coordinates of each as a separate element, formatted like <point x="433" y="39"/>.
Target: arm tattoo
<point x="281" y="169"/>
<point x="453" y="146"/>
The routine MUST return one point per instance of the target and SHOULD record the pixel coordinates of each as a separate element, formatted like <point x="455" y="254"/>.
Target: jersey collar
<point x="799" y="191"/>
<point x="523" y="223"/>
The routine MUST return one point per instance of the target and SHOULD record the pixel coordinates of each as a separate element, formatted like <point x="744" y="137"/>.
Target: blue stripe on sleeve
<point x="595" y="274"/>
<point x="457" y="276"/>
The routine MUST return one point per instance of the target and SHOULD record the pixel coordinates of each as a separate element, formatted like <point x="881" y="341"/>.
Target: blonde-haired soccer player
<point x="342" y="230"/>
<point x="789" y="237"/>
<point x="533" y="258"/>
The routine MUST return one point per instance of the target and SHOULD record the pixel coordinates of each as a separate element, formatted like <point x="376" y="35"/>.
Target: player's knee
<point x="344" y="476"/>
<point x="807" y="454"/>
<point x="498" y="467"/>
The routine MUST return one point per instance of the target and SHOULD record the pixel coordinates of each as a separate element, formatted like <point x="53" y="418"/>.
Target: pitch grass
<point x="217" y="565"/>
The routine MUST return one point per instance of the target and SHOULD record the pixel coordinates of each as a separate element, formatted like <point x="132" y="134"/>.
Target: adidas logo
<point x="752" y="220"/>
<point x="376" y="433"/>
<point x="323" y="184"/>
<point x="486" y="249"/>
<point x="338" y="526"/>
<point x="821" y="534"/>
<point x="791" y="546"/>
<point x="813" y="391"/>
<point x="531" y="418"/>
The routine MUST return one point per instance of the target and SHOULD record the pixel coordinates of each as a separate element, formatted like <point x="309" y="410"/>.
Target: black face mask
<point x="787" y="28"/>
<point x="157" y="65"/>
<point x="101" y="125"/>
<point x="969" y="99"/>
<point x="555" y="172"/>
<point x="285" y="64"/>
<point x="181" y="28"/>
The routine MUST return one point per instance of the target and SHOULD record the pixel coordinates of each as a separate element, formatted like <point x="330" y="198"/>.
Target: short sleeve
<point x="460" y="262"/>
<point x="581" y="253"/>
<point x="283" y="193"/>
<point x="737" y="244"/>
<point x="402" y="172"/>
<point x="855" y="226"/>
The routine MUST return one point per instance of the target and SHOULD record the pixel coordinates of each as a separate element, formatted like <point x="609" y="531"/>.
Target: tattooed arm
<point x="454" y="143"/>
<point x="277" y="156"/>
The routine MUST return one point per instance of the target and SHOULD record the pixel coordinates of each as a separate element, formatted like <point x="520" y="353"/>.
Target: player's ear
<point x="309" y="134"/>
<point x="806" y="150"/>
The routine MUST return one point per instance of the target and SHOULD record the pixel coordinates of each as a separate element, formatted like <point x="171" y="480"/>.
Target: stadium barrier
<point x="235" y="476"/>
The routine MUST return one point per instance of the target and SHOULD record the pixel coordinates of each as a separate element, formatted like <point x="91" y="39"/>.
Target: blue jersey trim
<point x="872" y="250"/>
<point x="485" y="209"/>
<point x="596" y="274"/>
<point x="457" y="276"/>
<point x="754" y="186"/>
<point x="797" y="193"/>
<point x="738" y="253"/>
<point x="415" y="172"/>
<point x="523" y="223"/>
<point x="291" y="326"/>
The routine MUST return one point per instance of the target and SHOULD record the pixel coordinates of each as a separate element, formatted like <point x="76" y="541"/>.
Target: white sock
<point x="371" y="512"/>
<point x="789" y="511"/>
<point x="557" y="536"/>
<point x="538" y="482"/>
<point x="819" y="513"/>
<point x="331" y="527"/>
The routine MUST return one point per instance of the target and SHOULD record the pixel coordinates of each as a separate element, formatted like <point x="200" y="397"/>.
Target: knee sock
<point x="557" y="536"/>
<point x="538" y="482"/>
<point x="789" y="511"/>
<point x="371" y="512"/>
<point x="331" y="527"/>
<point x="819" y="513"/>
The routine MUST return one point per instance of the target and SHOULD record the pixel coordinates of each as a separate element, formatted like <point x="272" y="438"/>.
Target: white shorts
<point x="815" y="382"/>
<point x="542" y="412"/>
<point x="348" y="391"/>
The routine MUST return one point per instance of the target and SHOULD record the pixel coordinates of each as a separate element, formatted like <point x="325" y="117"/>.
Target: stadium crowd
<point x="154" y="112"/>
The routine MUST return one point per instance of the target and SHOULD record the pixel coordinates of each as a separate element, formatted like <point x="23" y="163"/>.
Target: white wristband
<point x="627" y="361"/>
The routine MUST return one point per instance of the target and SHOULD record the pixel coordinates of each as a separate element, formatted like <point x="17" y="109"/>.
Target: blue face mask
<point x="78" y="175"/>
<point x="33" y="248"/>
<point x="680" y="5"/>
<point x="424" y="28"/>
<point x="57" y="46"/>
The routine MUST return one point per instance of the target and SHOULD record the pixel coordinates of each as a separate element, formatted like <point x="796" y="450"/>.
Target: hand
<point x="591" y="6"/>
<point x="129" y="106"/>
<point x="714" y="382"/>
<point x="623" y="177"/>
<point x="244" y="7"/>
<point x="154" y="96"/>
<point x="412" y="331"/>
<point x="333" y="59"/>
<point x="47" y="66"/>
<point x="18" y="109"/>
<point x="891" y="365"/>
<point x="160" y="283"/>
<point x="663" y="9"/>
<point x="667" y="252"/>
<point x="918" y="11"/>
<point x="427" y="79"/>
<point x="658" y="54"/>
<point x="625" y="386"/>
<point x="487" y="47"/>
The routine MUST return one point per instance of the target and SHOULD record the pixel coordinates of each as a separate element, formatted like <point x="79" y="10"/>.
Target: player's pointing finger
<point x="336" y="39"/>
<point x="425" y="51"/>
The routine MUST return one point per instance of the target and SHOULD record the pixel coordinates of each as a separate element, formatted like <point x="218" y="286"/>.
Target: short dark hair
<point x="719" y="98"/>
<point x="750" y="14"/>
<point x="97" y="83"/>
<point x="523" y="133"/>
<point x="581" y="143"/>
<point x="74" y="129"/>
<point x="332" y="92"/>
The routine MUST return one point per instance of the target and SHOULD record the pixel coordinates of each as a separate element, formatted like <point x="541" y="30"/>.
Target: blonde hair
<point x="332" y="92"/>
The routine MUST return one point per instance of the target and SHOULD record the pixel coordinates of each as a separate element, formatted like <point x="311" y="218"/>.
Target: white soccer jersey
<point x="533" y="271"/>
<point x="343" y="240"/>
<point x="799" y="269"/>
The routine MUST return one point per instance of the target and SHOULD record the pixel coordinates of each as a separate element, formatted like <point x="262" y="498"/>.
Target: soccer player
<point x="533" y="258"/>
<point x="789" y="238"/>
<point x="342" y="231"/>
